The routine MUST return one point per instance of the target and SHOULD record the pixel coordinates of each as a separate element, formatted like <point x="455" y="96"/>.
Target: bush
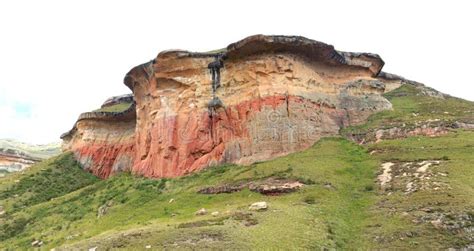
<point x="61" y="177"/>
<point x="369" y="187"/>
<point x="310" y="199"/>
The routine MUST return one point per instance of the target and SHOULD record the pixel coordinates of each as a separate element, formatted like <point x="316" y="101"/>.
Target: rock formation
<point x="14" y="160"/>
<point x="262" y="97"/>
<point x="104" y="142"/>
<point x="16" y="156"/>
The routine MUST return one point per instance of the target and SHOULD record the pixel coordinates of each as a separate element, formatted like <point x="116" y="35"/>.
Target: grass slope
<point x="314" y="217"/>
<point x="341" y="206"/>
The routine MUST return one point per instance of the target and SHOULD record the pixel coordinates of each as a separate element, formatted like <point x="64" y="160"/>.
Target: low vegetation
<point x="120" y="107"/>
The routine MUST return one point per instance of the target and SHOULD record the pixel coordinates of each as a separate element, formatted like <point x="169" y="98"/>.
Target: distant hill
<point x="16" y="156"/>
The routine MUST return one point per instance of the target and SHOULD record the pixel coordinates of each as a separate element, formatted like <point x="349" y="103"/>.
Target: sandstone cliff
<point x="261" y="97"/>
<point x="103" y="140"/>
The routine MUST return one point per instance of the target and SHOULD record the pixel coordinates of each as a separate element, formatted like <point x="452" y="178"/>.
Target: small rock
<point x="410" y="234"/>
<point x="259" y="206"/>
<point x="104" y="208"/>
<point x="437" y="223"/>
<point x="37" y="243"/>
<point x="201" y="211"/>
<point x="427" y="209"/>
<point x="328" y="185"/>
<point x="93" y="249"/>
<point x="215" y="213"/>
<point x="148" y="246"/>
<point x="171" y="201"/>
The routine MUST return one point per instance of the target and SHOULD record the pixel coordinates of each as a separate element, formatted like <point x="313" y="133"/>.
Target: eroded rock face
<point x="262" y="97"/>
<point x="103" y="142"/>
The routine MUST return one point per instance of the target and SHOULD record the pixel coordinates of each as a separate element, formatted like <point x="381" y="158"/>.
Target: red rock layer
<point x="237" y="134"/>
<point x="104" y="159"/>
<point x="103" y="142"/>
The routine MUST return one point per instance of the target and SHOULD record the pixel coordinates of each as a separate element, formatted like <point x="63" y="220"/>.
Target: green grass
<point x="389" y="213"/>
<point x="411" y="107"/>
<point x="456" y="152"/>
<point x="340" y="207"/>
<point x="47" y="180"/>
<point x="331" y="220"/>
<point x="120" y="107"/>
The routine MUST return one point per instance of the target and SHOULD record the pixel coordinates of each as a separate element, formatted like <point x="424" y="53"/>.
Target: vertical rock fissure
<point x="215" y="70"/>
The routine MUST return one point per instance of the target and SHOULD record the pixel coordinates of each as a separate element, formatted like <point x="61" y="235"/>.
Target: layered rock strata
<point x="103" y="142"/>
<point x="14" y="160"/>
<point x="262" y="97"/>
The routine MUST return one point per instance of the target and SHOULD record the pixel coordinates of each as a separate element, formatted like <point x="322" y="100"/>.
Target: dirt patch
<point x="204" y="239"/>
<point x="227" y="188"/>
<point x="203" y="223"/>
<point x="245" y="218"/>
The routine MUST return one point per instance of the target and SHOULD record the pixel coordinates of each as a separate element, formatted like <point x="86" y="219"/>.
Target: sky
<point x="61" y="58"/>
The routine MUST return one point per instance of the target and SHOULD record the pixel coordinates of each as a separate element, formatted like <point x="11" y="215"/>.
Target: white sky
<point x="61" y="58"/>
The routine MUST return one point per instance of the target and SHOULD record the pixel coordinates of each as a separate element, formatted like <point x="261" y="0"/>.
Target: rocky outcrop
<point x="103" y="142"/>
<point x="14" y="160"/>
<point x="260" y="98"/>
<point x="393" y="81"/>
<point x="270" y="186"/>
<point x="126" y="98"/>
<point x="428" y="128"/>
<point x="16" y="156"/>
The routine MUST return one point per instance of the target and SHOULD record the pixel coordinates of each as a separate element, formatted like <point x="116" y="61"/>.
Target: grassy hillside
<point x="341" y="205"/>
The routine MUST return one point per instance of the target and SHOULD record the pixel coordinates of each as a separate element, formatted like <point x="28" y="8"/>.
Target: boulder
<point x="201" y="211"/>
<point x="37" y="243"/>
<point x="259" y="206"/>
